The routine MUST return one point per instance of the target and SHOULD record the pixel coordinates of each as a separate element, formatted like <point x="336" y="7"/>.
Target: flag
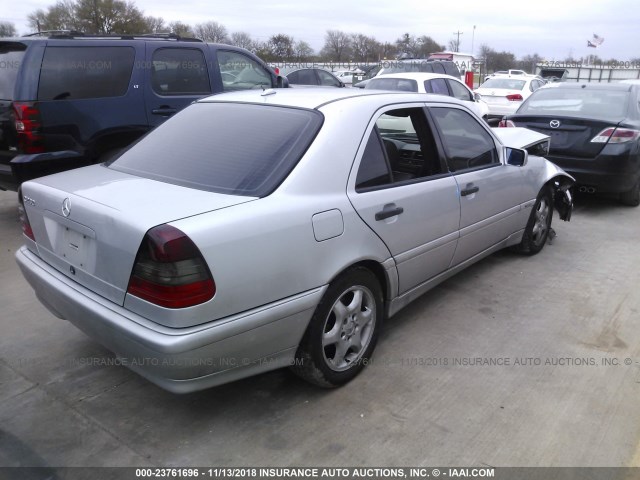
<point x="595" y="42"/>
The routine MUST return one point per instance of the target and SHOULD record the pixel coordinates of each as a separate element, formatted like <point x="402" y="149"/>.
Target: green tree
<point x="281" y="47"/>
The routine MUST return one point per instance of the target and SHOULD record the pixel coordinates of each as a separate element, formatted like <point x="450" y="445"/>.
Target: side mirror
<point x="516" y="156"/>
<point x="477" y="97"/>
<point x="282" y="82"/>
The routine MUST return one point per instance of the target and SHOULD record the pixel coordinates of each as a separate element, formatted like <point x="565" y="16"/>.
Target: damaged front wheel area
<point x="539" y="225"/>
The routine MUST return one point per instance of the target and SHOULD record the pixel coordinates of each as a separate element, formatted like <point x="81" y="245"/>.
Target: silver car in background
<point x="260" y="230"/>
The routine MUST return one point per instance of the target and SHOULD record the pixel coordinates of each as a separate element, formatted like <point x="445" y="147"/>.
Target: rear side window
<point x="450" y="68"/>
<point x="70" y="73"/>
<point x="231" y="148"/>
<point x="11" y="55"/>
<point x="374" y="170"/>
<point x="179" y="71"/>
<point x="437" y="86"/>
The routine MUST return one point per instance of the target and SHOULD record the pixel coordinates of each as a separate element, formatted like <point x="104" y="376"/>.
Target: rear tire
<point x="539" y="224"/>
<point x="343" y="331"/>
<point x="632" y="197"/>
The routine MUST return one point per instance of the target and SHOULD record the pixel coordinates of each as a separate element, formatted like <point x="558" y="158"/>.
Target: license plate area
<point x="71" y="242"/>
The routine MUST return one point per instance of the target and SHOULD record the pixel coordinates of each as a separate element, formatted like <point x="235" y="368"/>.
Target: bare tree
<point x="212" y="32"/>
<point x="155" y="25"/>
<point x="408" y="45"/>
<point x="61" y="16"/>
<point x="242" y="40"/>
<point x="454" y="45"/>
<point x="364" y="48"/>
<point x="8" y="29"/>
<point x="303" y="51"/>
<point x="181" y="29"/>
<point x="337" y="45"/>
<point x="427" y="46"/>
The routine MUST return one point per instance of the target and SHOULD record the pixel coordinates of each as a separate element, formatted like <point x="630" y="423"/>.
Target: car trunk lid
<point x="569" y="136"/>
<point x="89" y="223"/>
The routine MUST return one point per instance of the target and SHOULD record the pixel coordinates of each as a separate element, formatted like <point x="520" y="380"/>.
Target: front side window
<point x="71" y="73"/>
<point x="327" y="79"/>
<point x="401" y="148"/>
<point x="460" y="91"/>
<point x="179" y="71"/>
<point x="240" y="72"/>
<point x="467" y="144"/>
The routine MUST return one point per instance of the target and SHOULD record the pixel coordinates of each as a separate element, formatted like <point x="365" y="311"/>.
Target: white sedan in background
<point x="434" y="83"/>
<point x="505" y="93"/>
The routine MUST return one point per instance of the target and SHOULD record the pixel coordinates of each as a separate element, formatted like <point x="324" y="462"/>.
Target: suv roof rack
<point x="71" y="34"/>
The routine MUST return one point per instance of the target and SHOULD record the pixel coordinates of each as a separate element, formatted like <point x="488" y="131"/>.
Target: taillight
<point x="616" y="135"/>
<point x="24" y="219"/>
<point x="170" y="271"/>
<point x="506" y="123"/>
<point x="515" y="97"/>
<point x="27" y="124"/>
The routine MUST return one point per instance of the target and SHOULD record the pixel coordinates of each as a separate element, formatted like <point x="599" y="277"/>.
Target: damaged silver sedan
<point x="260" y="230"/>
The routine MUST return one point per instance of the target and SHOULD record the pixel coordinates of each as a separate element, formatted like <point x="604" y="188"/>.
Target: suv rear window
<point x="70" y="73"/>
<point x="231" y="148"/>
<point x="11" y="55"/>
<point x="385" y="83"/>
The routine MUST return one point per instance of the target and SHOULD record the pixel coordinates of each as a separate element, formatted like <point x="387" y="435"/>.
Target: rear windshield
<point x="231" y="148"/>
<point x="583" y="102"/>
<point x="506" y="83"/>
<point x="10" y="59"/>
<point x="401" y="84"/>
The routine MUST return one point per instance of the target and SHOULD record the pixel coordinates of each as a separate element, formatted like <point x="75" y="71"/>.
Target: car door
<point x="175" y="78"/>
<point x="401" y="189"/>
<point x="490" y="192"/>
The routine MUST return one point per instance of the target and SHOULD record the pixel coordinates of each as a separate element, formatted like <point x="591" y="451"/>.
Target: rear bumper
<point x="180" y="360"/>
<point x="613" y="171"/>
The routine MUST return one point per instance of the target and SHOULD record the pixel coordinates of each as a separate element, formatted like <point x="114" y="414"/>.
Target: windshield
<point x="400" y="84"/>
<point x="10" y="59"/>
<point x="505" y="83"/>
<point x="231" y="148"/>
<point x="574" y="102"/>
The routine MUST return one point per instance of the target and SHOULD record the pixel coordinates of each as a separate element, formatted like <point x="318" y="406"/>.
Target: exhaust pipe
<point x="584" y="189"/>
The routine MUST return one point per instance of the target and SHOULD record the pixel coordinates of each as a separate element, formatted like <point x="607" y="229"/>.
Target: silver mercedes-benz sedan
<point x="266" y="229"/>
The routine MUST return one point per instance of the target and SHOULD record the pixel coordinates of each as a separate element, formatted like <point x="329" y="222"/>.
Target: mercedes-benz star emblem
<point x="554" y="123"/>
<point x="66" y="207"/>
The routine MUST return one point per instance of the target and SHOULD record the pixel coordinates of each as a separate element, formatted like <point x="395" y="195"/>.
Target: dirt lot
<point x="515" y="362"/>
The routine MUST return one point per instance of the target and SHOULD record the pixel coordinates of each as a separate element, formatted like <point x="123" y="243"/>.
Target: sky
<point x="555" y="29"/>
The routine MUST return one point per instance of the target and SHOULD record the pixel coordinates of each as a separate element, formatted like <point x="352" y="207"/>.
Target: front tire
<point x="539" y="224"/>
<point x="343" y="331"/>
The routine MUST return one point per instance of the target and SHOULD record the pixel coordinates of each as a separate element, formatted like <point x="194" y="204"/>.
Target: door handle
<point x="164" y="111"/>
<point x="469" y="191"/>
<point x="388" y="211"/>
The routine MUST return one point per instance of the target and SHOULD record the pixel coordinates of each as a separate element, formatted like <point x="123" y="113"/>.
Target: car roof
<point x="419" y="76"/>
<point x="316" y="97"/>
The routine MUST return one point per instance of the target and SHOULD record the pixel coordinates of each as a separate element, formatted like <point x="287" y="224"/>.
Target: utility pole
<point x="458" y="33"/>
<point x="473" y="36"/>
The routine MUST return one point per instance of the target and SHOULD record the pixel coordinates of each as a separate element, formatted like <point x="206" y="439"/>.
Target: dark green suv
<point x="70" y="100"/>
